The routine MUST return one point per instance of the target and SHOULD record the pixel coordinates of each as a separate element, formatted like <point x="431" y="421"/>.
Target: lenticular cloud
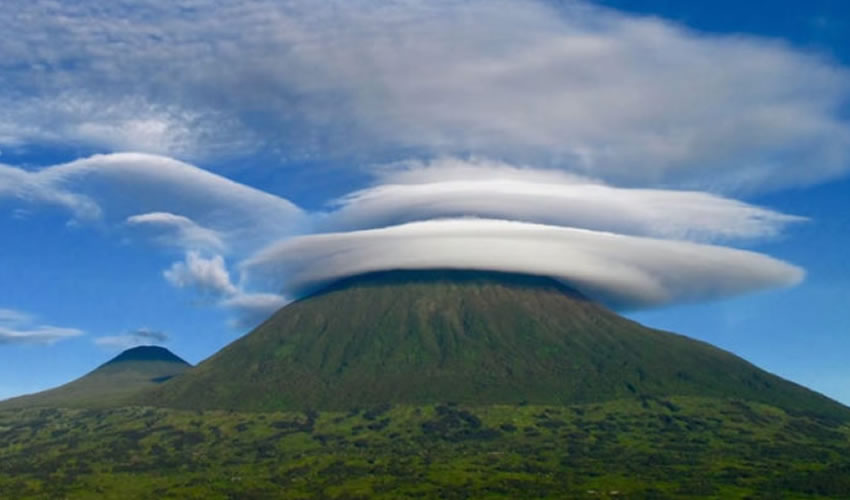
<point x="630" y="248"/>
<point x="450" y="188"/>
<point x="623" y="271"/>
<point x="627" y="247"/>
<point x="620" y="107"/>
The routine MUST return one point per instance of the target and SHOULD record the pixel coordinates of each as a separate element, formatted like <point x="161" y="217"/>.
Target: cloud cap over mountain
<point x="608" y="133"/>
<point x="623" y="271"/>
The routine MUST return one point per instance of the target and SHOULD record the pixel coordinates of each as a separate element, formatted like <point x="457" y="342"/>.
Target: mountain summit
<point x="146" y="353"/>
<point x="417" y="337"/>
<point x="111" y="383"/>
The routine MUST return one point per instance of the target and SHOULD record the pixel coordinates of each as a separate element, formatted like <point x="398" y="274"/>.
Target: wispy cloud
<point x="149" y="189"/>
<point x="180" y="231"/>
<point x="13" y="317"/>
<point x="17" y="327"/>
<point x="142" y="336"/>
<point x="624" y="98"/>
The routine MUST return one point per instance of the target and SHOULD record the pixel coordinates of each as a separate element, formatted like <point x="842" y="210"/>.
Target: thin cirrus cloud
<point x="623" y="271"/>
<point x="177" y="230"/>
<point x="17" y="327"/>
<point x="12" y="316"/>
<point x="455" y="188"/>
<point x="141" y="336"/>
<point x="627" y="99"/>
<point x="135" y="123"/>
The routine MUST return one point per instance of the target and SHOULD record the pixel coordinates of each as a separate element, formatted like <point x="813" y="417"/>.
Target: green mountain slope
<point x="110" y="384"/>
<point x="419" y="337"/>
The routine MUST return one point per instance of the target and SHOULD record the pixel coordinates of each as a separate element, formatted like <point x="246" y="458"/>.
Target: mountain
<point x="470" y="337"/>
<point x="469" y="385"/>
<point x="110" y="384"/>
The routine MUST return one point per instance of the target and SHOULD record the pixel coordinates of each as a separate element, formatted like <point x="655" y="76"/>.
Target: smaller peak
<point x="147" y="353"/>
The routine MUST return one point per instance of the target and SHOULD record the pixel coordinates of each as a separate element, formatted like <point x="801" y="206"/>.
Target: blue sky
<point x="171" y="174"/>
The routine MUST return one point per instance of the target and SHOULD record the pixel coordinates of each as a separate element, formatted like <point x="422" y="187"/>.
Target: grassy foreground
<point x="650" y="448"/>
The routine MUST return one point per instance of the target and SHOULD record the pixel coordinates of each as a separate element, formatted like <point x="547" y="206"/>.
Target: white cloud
<point x="180" y="231"/>
<point x="117" y="186"/>
<point x="209" y="215"/>
<point x="623" y="98"/>
<point x="207" y="275"/>
<point x="37" y="335"/>
<point x="142" y="336"/>
<point x="178" y="205"/>
<point x="117" y="342"/>
<point x="17" y="327"/>
<point x="623" y="271"/>
<point x="86" y="118"/>
<point x="210" y="277"/>
<point x="452" y="168"/>
<point x="601" y="98"/>
<point x="453" y="188"/>
<point x="13" y="317"/>
<point x="27" y="187"/>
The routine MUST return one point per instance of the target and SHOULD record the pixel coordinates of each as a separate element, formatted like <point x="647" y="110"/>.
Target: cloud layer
<point x="455" y="188"/>
<point x="627" y="99"/>
<point x="624" y="271"/>
<point x="556" y="138"/>
<point x="629" y="247"/>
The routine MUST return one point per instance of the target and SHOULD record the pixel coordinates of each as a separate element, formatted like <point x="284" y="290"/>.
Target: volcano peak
<point x="472" y="337"/>
<point x="146" y="353"/>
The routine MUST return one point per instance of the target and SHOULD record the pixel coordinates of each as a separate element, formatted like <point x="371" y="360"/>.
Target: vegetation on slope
<point x="680" y="447"/>
<point x="418" y="337"/>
